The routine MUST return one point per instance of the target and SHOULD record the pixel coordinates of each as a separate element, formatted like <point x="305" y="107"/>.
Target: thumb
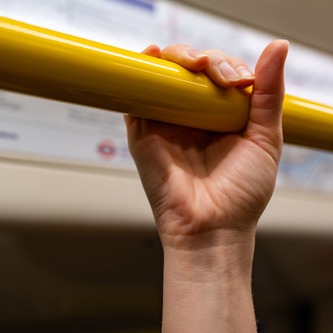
<point x="268" y="90"/>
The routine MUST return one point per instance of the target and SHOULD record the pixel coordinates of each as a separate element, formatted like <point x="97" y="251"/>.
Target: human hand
<point x="207" y="183"/>
<point x="207" y="191"/>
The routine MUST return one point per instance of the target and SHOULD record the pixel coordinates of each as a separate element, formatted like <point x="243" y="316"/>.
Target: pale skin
<point x="208" y="190"/>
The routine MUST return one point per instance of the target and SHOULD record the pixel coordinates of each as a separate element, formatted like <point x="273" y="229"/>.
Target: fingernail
<point x="195" y="54"/>
<point x="244" y="72"/>
<point x="228" y="72"/>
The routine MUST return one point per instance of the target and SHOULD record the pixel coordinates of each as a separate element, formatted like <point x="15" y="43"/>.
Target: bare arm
<point x="208" y="191"/>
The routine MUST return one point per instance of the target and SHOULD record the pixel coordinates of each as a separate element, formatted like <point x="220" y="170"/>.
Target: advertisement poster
<point x="36" y="128"/>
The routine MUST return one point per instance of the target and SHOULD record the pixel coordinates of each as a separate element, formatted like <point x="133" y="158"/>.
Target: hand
<point x="207" y="183"/>
<point x="207" y="191"/>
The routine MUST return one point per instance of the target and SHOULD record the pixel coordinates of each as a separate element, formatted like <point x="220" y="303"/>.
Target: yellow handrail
<point x="49" y="64"/>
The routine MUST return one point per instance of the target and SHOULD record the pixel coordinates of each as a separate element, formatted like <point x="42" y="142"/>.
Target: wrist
<point x="230" y="259"/>
<point x="216" y="250"/>
<point x="211" y="288"/>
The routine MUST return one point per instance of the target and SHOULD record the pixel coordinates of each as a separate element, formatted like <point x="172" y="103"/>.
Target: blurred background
<point x="78" y="247"/>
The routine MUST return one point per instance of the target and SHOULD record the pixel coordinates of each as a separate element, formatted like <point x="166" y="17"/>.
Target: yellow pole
<point x="49" y="64"/>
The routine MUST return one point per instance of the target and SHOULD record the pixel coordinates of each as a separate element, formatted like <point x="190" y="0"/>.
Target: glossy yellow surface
<point x="45" y="63"/>
<point x="307" y="123"/>
<point x="50" y="64"/>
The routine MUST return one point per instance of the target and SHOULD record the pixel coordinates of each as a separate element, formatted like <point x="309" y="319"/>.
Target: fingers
<point x="187" y="57"/>
<point x="152" y="50"/>
<point x="228" y="71"/>
<point x="268" y="89"/>
<point x="225" y="71"/>
<point x="265" y="119"/>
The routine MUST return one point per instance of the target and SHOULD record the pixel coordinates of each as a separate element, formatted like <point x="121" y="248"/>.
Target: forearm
<point x="209" y="290"/>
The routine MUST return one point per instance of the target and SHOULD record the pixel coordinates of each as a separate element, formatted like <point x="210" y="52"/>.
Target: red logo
<point x="106" y="150"/>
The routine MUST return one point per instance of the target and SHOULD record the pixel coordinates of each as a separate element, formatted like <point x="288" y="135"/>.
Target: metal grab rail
<point x="49" y="64"/>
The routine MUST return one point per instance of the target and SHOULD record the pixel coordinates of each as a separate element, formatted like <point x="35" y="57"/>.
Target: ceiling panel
<point x="306" y="21"/>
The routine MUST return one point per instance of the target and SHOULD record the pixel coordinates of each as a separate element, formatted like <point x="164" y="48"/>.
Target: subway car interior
<point x="79" y="251"/>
